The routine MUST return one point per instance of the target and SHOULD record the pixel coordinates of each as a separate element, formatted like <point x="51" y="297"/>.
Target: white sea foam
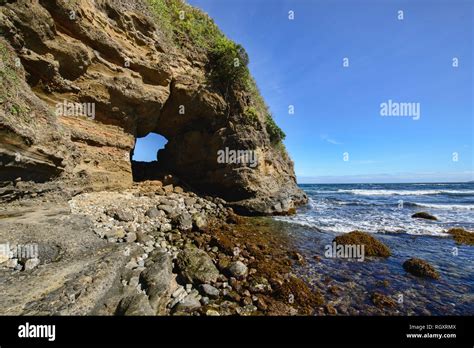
<point x="446" y="206"/>
<point x="374" y="209"/>
<point x="404" y="192"/>
<point x="378" y="224"/>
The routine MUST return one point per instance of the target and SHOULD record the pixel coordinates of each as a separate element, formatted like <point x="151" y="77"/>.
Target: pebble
<point x="212" y="312"/>
<point x="238" y="269"/>
<point x="131" y="237"/>
<point x="178" y="292"/>
<point x="12" y="263"/>
<point x="210" y="291"/>
<point x="188" y="303"/>
<point x="31" y="263"/>
<point x="153" y="213"/>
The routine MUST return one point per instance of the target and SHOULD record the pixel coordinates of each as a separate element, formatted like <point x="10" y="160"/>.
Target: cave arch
<point x="144" y="157"/>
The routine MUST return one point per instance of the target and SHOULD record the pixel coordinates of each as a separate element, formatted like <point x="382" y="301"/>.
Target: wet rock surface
<point x="420" y="268"/>
<point x="196" y="266"/>
<point x="372" y="247"/>
<point x="350" y="286"/>
<point x="424" y="215"/>
<point x="461" y="236"/>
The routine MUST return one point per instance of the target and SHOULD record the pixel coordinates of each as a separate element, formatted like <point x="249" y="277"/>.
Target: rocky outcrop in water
<point x="82" y="80"/>
<point x="420" y="268"/>
<point x="461" y="236"/>
<point x="372" y="246"/>
<point x="424" y="215"/>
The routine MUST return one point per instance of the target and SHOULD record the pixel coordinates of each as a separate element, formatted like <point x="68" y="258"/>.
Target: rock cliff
<point x="82" y="80"/>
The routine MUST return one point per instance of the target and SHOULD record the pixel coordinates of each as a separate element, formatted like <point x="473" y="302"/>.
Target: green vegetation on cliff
<point x="194" y="31"/>
<point x="8" y="76"/>
<point x="9" y="84"/>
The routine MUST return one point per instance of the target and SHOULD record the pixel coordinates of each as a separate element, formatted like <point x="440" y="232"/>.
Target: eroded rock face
<point x="113" y="56"/>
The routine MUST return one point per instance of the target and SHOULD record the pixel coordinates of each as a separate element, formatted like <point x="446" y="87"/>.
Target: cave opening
<point x="144" y="157"/>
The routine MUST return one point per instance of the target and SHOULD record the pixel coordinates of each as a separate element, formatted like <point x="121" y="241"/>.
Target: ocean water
<point x="385" y="210"/>
<point x="378" y="208"/>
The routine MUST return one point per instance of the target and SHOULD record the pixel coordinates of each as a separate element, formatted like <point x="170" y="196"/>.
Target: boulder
<point x="168" y="209"/>
<point x="190" y="201"/>
<point x="115" y="232"/>
<point x="135" y="305"/>
<point x="31" y="263"/>
<point x="120" y="215"/>
<point x="157" y="279"/>
<point x="381" y="300"/>
<point x="424" y="215"/>
<point x="209" y="290"/>
<point x="420" y="268"/>
<point x="168" y="188"/>
<point x="178" y="189"/>
<point x="143" y="238"/>
<point x="3" y="257"/>
<point x="200" y="222"/>
<point x="461" y="236"/>
<point x="187" y="304"/>
<point x="131" y="237"/>
<point x="372" y="247"/>
<point x="183" y="221"/>
<point x="153" y="213"/>
<point x="238" y="269"/>
<point x="196" y="266"/>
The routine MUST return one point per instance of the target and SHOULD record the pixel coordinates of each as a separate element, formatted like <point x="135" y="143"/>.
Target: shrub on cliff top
<point x="192" y="29"/>
<point x="228" y="65"/>
<point x="185" y="24"/>
<point x="275" y="132"/>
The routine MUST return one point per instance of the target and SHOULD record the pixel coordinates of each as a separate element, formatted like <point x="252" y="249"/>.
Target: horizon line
<point x="386" y="182"/>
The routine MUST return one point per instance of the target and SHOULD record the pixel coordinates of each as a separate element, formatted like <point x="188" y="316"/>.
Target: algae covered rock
<point x="196" y="266"/>
<point x="461" y="236"/>
<point x="381" y="300"/>
<point x="420" y="268"/>
<point x="372" y="247"/>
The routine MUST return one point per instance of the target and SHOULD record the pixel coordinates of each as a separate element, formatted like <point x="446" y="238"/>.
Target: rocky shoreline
<point x="154" y="250"/>
<point x="157" y="249"/>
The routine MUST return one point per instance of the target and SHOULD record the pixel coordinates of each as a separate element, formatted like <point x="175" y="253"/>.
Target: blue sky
<point x="337" y="109"/>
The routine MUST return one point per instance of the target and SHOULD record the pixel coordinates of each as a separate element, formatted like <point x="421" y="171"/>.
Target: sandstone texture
<point x="139" y="73"/>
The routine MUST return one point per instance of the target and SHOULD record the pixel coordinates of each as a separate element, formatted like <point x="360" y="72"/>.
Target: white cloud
<point x="326" y="138"/>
